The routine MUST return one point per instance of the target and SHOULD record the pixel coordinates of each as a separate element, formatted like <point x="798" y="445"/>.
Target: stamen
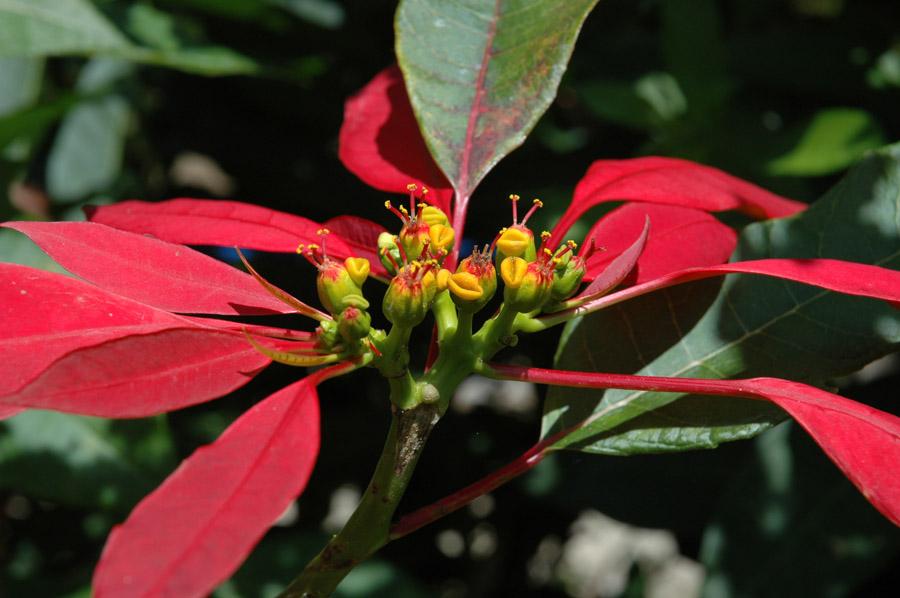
<point x="387" y="253"/>
<point x="396" y="212"/>
<point x="412" y="187"/>
<point x="515" y="206"/>
<point x="402" y="251"/>
<point x="535" y="204"/>
<point x="490" y="250"/>
<point x="323" y="235"/>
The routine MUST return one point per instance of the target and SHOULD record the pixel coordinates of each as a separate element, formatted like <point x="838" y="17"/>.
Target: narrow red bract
<point x="671" y="181"/>
<point x="380" y="140"/>
<point x="193" y="531"/>
<point x="158" y="273"/>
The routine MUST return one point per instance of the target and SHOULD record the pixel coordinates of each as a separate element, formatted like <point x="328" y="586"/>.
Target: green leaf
<point x="87" y="154"/>
<point x="55" y="27"/>
<point x="20" y="83"/>
<point x="480" y="74"/>
<point x="67" y="459"/>
<point x="790" y="505"/>
<point x="75" y="27"/>
<point x="324" y="13"/>
<point x="832" y="140"/>
<point x="754" y="326"/>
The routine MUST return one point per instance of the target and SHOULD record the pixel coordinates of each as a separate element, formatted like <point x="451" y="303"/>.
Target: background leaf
<point x="755" y="326"/>
<point x="480" y="74"/>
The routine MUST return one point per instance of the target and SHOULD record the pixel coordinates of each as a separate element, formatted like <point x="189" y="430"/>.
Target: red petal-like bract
<point x="158" y="273"/>
<point x="193" y="531"/>
<point x="863" y="441"/>
<point x="615" y="271"/>
<point x="836" y="275"/>
<point x="216" y="222"/>
<point x="69" y="346"/>
<point x="380" y="140"/>
<point x="679" y="238"/>
<point x="674" y="182"/>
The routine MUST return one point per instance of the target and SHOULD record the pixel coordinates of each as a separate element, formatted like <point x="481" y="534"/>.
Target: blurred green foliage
<point x="113" y="99"/>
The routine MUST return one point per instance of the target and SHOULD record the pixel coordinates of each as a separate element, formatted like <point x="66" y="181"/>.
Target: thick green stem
<point x="369" y="527"/>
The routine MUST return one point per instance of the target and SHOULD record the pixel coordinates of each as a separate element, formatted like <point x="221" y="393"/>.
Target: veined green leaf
<point x="480" y="74"/>
<point x="755" y="326"/>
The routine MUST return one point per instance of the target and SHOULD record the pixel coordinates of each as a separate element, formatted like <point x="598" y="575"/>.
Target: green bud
<point x="527" y="287"/>
<point x="353" y="324"/>
<point x="566" y="280"/>
<point x="409" y="296"/>
<point x="339" y="285"/>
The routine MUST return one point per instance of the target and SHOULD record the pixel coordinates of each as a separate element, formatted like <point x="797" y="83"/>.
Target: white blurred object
<point x="597" y="559"/>
<point x="508" y="397"/>
<point x="190" y="169"/>
<point x="340" y="508"/>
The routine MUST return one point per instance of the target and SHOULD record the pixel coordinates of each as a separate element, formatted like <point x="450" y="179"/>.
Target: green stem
<point x="369" y="527"/>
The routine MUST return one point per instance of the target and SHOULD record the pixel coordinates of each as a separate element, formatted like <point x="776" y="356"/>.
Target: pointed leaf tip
<point x="193" y="531"/>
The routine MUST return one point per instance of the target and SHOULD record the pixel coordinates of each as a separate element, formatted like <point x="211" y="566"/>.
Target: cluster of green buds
<point x="339" y="286"/>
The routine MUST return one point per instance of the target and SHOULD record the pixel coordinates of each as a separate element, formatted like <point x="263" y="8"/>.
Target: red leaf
<point x="674" y="182"/>
<point x="162" y="274"/>
<point x="214" y="222"/>
<point x="193" y="531"/>
<point x="679" y="238"/>
<point x="141" y="375"/>
<point x="44" y="316"/>
<point x="380" y="140"/>
<point x="615" y="271"/>
<point x="362" y="236"/>
<point x="836" y="275"/>
<point x="863" y="441"/>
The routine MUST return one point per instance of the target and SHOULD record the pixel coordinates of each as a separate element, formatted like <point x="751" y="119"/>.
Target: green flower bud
<point x="410" y="295"/>
<point x="474" y="282"/>
<point x="566" y="279"/>
<point x="340" y="285"/>
<point x="353" y="324"/>
<point x="388" y="252"/>
<point x="527" y="284"/>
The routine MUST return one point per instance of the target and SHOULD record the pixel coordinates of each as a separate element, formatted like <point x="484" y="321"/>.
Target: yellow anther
<point x="358" y="269"/>
<point x="465" y="286"/>
<point x="300" y="249"/>
<point x="537" y="202"/>
<point x="403" y="210"/>
<point x="513" y="241"/>
<point x="556" y="260"/>
<point x="312" y="247"/>
<point x="545" y="235"/>
<point x="443" y="279"/>
<point x="424" y="190"/>
<point x="441" y="236"/>
<point x="513" y="271"/>
<point x="387" y="204"/>
<point x="421" y="205"/>
<point x="572" y="244"/>
<point x="412" y="187"/>
<point x="323" y="231"/>
<point x="548" y="252"/>
<point x="514" y="197"/>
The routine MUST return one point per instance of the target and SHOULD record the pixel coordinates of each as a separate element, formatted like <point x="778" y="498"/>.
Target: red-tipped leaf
<point x="863" y="441"/>
<point x="679" y="238"/>
<point x="165" y="275"/>
<point x="674" y="182"/>
<point x="380" y="140"/>
<point x="192" y="532"/>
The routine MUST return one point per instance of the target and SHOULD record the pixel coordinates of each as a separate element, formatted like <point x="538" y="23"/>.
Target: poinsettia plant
<point x="151" y="325"/>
